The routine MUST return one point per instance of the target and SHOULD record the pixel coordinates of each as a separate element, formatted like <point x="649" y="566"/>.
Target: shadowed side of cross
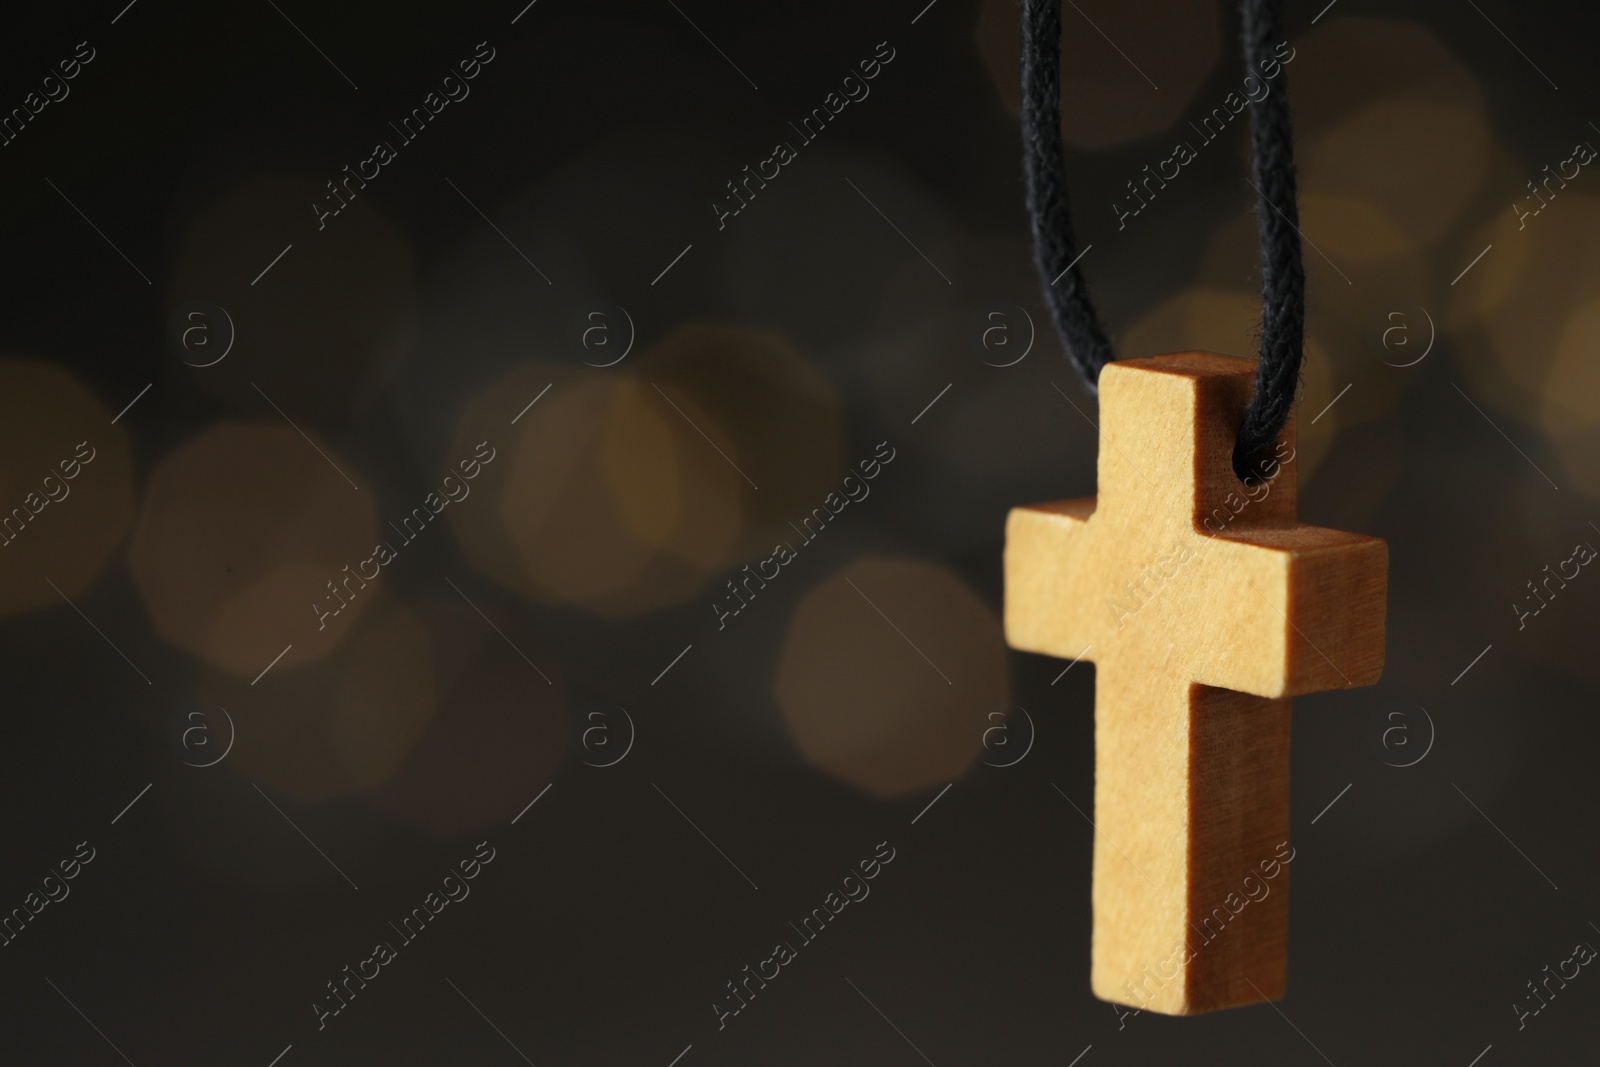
<point x="1204" y="606"/>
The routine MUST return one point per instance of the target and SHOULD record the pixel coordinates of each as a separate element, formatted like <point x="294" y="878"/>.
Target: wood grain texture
<point x="1204" y="605"/>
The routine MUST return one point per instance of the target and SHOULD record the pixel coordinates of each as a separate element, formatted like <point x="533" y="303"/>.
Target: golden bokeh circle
<point x="1571" y="396"/>
<point x="340" y="726"/>
<point x="1420" y="162"/>
<point x="242" y="529"/>
<point x="888" y="672"/>
<point x="1522" y="318"/>
<point x="623" y="491"/>
<point x="66" y="486"/>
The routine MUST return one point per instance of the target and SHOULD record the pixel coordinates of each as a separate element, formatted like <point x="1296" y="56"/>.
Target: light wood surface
<point x="1204" y="606"/>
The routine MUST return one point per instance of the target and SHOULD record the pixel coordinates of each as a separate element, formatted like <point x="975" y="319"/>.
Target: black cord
<point x="1283" y="277"/>
<point x="1283" y="281"/>
<point x="1054" y="246"/>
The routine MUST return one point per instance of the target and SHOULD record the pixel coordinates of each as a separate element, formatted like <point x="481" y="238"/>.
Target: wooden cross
<point x="1204" y="606"/>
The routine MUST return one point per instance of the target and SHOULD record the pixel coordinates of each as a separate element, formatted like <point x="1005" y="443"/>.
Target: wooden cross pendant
<point x="1204" y="606"/>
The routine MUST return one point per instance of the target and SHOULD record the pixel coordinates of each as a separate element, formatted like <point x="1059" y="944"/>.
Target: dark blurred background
<point x="535" y="289"/>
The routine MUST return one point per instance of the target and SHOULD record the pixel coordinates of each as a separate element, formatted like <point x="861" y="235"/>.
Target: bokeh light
<point x="781" y="413"/>
<point x="340" y="726"/>
<point x="1419" y="162"/>
<point x="1570" y="407"/>
<point x="66" y="486"/>
<point x="888" y="672"/>
<point x="622" y="491"/>
<point x="1521" y="319"/>
<point x="242" y="530"/>
<point x="1571" y="395"/>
